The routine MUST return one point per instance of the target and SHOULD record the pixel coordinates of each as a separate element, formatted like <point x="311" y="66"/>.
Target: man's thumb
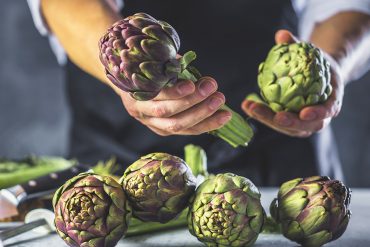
<point x="284" y="36"/>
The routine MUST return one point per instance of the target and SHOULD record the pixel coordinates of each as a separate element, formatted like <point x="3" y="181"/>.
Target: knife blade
<point x="13" y="232"/>
<point x="8" y="225"/>
<point x="38" y="220"/>
<point x="11" y="198"/>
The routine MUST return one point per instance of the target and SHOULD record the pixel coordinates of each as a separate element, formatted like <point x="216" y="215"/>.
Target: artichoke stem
<point x="237" y="132"/>
<point x="196" y="159"/>
<point x="138" y="227"/>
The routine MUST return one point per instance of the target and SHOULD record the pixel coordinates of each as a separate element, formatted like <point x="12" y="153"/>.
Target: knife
<point x="8" y="225"/>
<point x="12" y="197"/>
<point x="38" y="220"/>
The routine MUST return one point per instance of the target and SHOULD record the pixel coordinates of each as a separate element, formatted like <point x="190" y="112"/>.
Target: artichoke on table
<point x="91" y="210"/>
<point x="158" y="186"/>
<point x="226" y="211"/>
<point x="139" y="54"/>
<point x="196" y="159"/>
<point x="293" y="76"/>
<point x="312" y="211"/>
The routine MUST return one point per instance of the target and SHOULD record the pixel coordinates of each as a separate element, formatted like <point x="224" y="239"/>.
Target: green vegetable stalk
<point x="139" y="54"/>
<point x="138" y="227"/>
<point x="13" y="172"/>
<point x="271" y="226"/>
<point x="196" y="158"/>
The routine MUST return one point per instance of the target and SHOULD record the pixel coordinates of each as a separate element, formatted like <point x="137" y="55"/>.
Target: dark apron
<point x="231" y="38"/>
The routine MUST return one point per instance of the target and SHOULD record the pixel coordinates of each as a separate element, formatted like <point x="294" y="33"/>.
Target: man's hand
<point x="311" y="118"/>
<point x="184" y="109"/>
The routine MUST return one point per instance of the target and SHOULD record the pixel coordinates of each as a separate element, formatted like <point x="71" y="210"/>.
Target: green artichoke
<point x="226" y="211"/>
<point x="91" y="210"/>
<point x="312" y="211"/>
<point x="139" y="54"/>
<point x="294" y="76"/>
<point x="158" y="187"/>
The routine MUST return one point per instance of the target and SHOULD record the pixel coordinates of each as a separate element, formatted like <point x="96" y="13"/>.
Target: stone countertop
<point x="357" y="234"/>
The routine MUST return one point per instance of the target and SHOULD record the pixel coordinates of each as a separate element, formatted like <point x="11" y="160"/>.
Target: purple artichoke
<point x="91" y="211"/>
<point x="312" y="211"/>
<point x="158" y="187"/>
<point x="139" y="54"/>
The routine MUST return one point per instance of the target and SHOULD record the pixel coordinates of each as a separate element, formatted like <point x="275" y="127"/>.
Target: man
<point x="231" y="38"/>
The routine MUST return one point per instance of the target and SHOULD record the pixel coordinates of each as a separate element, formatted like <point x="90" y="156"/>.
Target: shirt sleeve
<point x="43" y="29"/>
<point x="311" y="12"/>
<point x="38" y="20"/>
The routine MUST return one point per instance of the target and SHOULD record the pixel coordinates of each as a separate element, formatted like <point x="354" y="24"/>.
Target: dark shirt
<point x="231" y="38"/>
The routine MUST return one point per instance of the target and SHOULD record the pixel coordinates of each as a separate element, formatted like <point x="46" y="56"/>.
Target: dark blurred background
<point x="34" y="116"/>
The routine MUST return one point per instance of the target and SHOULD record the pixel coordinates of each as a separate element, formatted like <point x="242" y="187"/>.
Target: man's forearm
<point x="346" y="37"/>
<point x="79" y="26"/>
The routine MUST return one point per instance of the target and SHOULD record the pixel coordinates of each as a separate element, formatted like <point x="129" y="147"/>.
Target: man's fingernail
<point x="249" y="105"/>
<point x="257" y="111"/>
<point x="215" y="103"/>
<point x="224" y="119"/>
<point x="285" y="121"/>
<point x="310" y="116"/>
<point x="184" y="88"/>
<point x="206" y="87"/>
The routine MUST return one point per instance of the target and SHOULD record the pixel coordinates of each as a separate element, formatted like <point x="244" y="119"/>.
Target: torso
<point x="231" y="38"/>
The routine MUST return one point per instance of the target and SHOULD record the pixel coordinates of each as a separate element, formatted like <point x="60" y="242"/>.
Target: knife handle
<point x="50" y="182"/>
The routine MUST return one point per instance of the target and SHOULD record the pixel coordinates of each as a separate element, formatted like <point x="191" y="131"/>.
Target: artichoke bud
<point x="226" y="211"/>
<point x="139" y="55"/>
<point x="294" y="76"/>
<point x="158" y="187"/>
<point x="91" y="210"/>
<point x="312" y="211"/>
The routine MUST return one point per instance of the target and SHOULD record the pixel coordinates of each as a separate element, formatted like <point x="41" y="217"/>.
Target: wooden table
<point x="357" y="234"/>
